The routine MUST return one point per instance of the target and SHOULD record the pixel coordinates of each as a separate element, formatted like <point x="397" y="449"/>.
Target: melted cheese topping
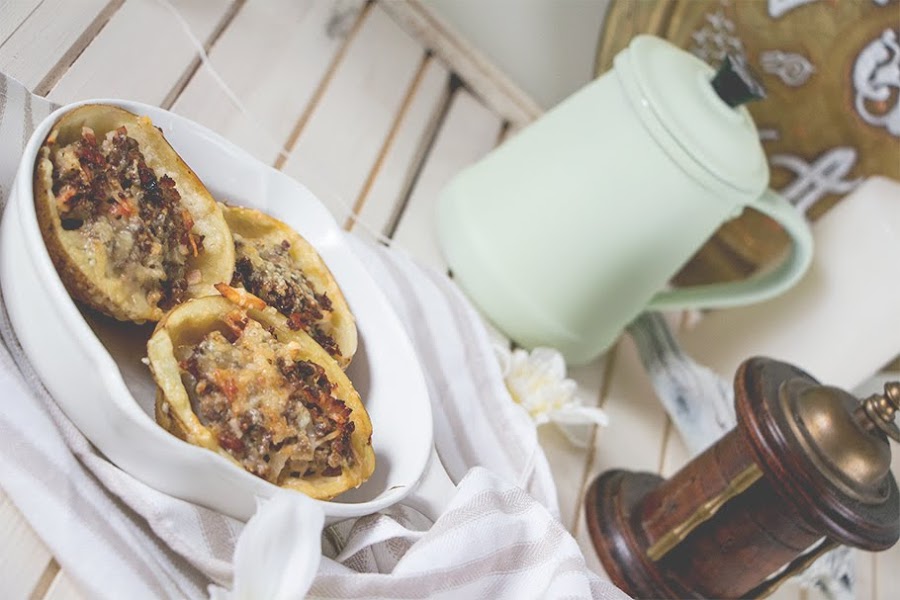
<point x="131" y="224"/>
<point x="273" y="413"/>
<point x="268" y="272"/>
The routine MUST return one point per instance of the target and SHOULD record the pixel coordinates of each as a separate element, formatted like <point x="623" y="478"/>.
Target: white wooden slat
<point x="274" y="56"/>
<point x="381" y="201"/>
<point x="793" y="590"/>
<point x="587" y="547"/>
<point x="141" y="53"/>
<point x="790" y="590"/>
<point x="865" y="574"/>
<point x="63" y="588"/>
<point x="12" y="14"/>
<point x="52" y="34"/>
<point x="469" y="131"/>
<point x="675" y="454"/>
<point x="633" y="440"/>
<point x="568" y="461"/>
<point x="493" y="86"/>
<point x="341" y="141"/>
<point x="23" y="556"/>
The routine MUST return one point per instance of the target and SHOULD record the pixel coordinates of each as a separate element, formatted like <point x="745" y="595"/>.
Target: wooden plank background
<point x="374" y="106"/>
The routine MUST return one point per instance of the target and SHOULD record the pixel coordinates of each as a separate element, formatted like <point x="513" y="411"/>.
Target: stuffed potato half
<point x="130" y="228"/>
<point x="275" y="263"/>
<point x="235" y="379"/>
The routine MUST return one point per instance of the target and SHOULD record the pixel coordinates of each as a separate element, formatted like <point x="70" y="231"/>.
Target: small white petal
<point x="549" y="361"/>
<point x="579" y="415"/>
<point x="537" y="380"/>
<point x="577" y="422"/>
<point x="540" y="419"/>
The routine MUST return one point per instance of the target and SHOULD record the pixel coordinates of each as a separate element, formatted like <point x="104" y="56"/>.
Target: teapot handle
<point x="761" y="286"/>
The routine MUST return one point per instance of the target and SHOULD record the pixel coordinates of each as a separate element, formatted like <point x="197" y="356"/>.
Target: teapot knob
<point x="735" y="84"/>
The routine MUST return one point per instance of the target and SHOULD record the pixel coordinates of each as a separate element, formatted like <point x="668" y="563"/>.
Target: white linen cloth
<point x="499" y="536"/>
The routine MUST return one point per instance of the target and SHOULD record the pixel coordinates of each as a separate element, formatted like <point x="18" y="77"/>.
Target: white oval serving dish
<point x="92" y="365"/>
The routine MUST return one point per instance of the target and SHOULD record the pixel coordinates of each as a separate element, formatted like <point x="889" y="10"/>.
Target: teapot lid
<point x="689" y="109"/>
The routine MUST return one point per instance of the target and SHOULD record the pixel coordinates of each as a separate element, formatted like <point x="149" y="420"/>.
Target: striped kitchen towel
<point x="498" y="534"/>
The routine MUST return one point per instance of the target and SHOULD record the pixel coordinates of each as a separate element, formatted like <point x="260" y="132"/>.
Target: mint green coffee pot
<point x="569" y="230"/>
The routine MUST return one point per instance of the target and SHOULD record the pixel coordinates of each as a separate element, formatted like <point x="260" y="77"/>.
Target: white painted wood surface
<point x="116" y="64"/>
<point x="12" y="14"/>
<point x="50" y="38"/>
<point x="348" y="127"/>
<point x="62" y="588"/>
<point x="274" y="56"/>
<point x="569" y="462"/>
<point x="492" y="86"/>
<point x="469" y="131"/>
<point x="371" y="120"/>
<point x="380" y="203"/>
<point x="23" y="557"/>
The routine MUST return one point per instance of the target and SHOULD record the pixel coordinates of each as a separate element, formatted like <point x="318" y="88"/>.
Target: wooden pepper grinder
<point x="807" y="468"/>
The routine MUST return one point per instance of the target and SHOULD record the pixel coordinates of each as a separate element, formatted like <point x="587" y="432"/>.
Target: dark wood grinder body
<point x="807" y="468"/>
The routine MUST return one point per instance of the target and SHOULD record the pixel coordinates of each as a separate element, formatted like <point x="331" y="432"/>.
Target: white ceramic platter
<point x="92" y="365"/>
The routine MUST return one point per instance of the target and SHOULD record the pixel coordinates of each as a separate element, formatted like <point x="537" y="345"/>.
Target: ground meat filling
<point x="106" y="191"/>
<point x="274" y="414"/>
<point x="267" y="271"/>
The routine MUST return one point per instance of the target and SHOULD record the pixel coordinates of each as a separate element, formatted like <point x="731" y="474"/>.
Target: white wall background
<point x="546" y="46"/>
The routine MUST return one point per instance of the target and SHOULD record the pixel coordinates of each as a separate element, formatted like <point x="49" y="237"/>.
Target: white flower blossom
<point x="537" y="380"/>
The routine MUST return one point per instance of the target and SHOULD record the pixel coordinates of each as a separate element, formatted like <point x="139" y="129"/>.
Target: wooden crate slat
<point x="489" y="83"/>
<point x="23" y="556"/>
<point x="675" y="454"/>
<point x="790" y="590"/>
<point x="51" y="37"/>
<point x="340" y="142"/>
<point x="866" y="574"/>
<point x="636" y="419"/>
<point x="587" y="547"/>
<point x="379" y="204"/>
<point x="636" y="422"/>
<point x="141" y="53"/>
<point x="13" y="14"/>
<point x="63" y="588"/>
<point x="469" y="131"/>
<point x="568" y="461"/>
<point x="274" y="56"/>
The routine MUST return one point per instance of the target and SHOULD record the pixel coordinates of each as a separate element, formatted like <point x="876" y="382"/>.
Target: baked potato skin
<point x="77" y="267"/>
<point x="193" y="319"/>
<point x="76" y="280"/>
<point x="257" y="226"/>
